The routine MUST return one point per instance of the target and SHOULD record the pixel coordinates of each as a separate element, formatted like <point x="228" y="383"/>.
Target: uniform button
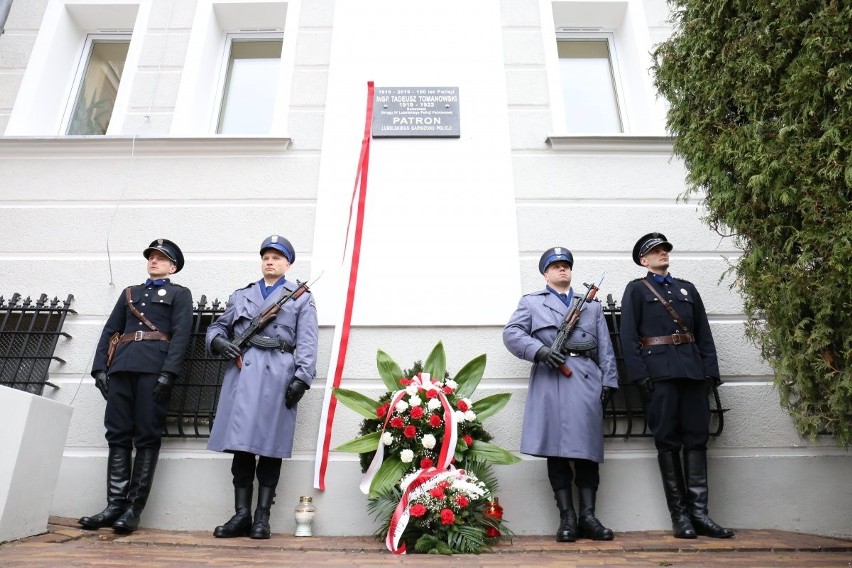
<point x="143" y="303"/>
<point x="248" y="363"/>
<point x="146" y="295"/>
<point x="140" y="323"/>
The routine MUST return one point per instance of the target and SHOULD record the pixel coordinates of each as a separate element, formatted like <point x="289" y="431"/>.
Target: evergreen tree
<point x="761" y="108"/>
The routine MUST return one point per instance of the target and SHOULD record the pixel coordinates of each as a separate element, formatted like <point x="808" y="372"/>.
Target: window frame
<point x="222" y="79"/>
<point x="580" y="34"/>
<point x="83" y="61"/>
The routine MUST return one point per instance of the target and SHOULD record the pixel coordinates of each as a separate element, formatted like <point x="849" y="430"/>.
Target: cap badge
<point x="557" y="250"/>
<point x="273" y="239"/>
<point x="160" y="242"/>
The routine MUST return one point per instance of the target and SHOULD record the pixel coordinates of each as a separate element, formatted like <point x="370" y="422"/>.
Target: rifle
<point x="570" y="322"/>
<point x="261" y="320"/>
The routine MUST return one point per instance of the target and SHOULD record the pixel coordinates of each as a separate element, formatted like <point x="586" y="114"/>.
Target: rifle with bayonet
<point x="261" y="320"/>
<point x="566" y="328"/>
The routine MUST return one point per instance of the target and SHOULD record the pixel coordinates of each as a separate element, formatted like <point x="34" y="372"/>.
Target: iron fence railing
<point x="29" y="332"/>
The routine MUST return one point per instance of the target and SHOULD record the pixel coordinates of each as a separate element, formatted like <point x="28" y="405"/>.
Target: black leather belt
<point x="265" y="342"/>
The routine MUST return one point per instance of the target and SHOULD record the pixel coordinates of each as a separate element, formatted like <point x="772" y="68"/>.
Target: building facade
<point x="215" y="123"/>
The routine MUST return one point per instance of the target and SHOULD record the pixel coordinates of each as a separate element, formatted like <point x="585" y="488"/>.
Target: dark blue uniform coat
<point x="169" y="307"/>
<point x="563" y="415"/>
<point x="251" y="416"/>
<point x="642" y="315"/>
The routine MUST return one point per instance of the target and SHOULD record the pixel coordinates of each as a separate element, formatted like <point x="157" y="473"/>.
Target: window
<point x="589" y="87"/>
<point x="249" y="85"/>
<point x="96" y="85"/>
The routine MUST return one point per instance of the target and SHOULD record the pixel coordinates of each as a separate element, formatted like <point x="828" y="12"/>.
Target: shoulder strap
<point x="667" y="306"/>
<point x="136" y="312"/>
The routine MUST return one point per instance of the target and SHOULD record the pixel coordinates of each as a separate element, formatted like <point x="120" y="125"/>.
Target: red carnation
<point x="409" y="432"/>
<point x="382" y="410"/>
<point x="447" y="517"/>
<point x="404" y="381"/>
<point x="418" y="510"/>
<point x="462" y="501"/>
<point x="447" y="390"/>
<point x="416" y="412"/>
<point x="434" y="421"/>
<point x="437" y="492"/>
<point x="431" y="393"/>
<point x="396" y="422"/>
<point x="426" y="463"/>
<point x="467" y="440"/>
<point x="463" y="406"/>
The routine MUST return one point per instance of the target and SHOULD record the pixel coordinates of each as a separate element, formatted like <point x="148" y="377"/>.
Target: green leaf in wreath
<point x="436" y="362"/>
<point x="490" y="405"/>
<point x="469" y="376"/>
<point x="493" y="453"/>
<point x="388" y="475"/>
<point x="389" y="371"/>
<point x="367" y="443"/>
<point x="363" y="405"/>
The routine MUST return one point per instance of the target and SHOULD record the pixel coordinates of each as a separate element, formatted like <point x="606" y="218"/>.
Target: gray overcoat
<point x="251" y="416"/>
<point x="563" y="415"/>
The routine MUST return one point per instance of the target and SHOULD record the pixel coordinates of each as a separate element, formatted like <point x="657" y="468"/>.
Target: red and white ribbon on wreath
<point x="425" y="480"/>
<point x="450" y="438"/>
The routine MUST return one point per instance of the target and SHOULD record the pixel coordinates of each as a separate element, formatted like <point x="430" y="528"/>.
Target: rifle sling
<point x="669" y="309"/>
<point x="136" y="312"/>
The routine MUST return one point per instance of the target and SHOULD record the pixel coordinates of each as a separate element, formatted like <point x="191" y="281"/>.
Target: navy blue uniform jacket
<point x="642" y="315"/>
<point x="169" y="307"/>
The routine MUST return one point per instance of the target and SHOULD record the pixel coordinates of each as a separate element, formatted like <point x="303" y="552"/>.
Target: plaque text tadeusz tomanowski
<point x="408" y="112"/>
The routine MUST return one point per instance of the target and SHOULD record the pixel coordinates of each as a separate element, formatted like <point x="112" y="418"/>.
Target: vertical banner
<point x="340" y="343"/>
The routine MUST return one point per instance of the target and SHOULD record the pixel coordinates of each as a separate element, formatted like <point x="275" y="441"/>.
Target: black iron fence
<point x="29" y="332"/>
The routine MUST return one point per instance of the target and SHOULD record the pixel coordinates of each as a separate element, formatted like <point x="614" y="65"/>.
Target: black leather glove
<point x="549" y="357"/>
<point x="295" y="392"/>
<point x="606" y="395"/>
<point x="645" y="388"/>
<point x="102" y="382"/>
<point x="163" y="388"/>
<point x="221" y="346"/>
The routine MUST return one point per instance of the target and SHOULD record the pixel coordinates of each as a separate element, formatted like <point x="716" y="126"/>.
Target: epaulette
<point x="175" y="284"/>
<point x="682" y="280"/>
<point x="538" y="292"/>
<point x="638" y="279"/>
<point x="249" y="285"/>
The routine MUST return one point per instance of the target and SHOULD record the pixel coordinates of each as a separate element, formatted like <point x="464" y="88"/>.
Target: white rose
<point x="407" y="456"/>
<point x="429" y="441"/>
<point x="411" y="390"/>
<point x="415" y="400"/>
<point x="401" y="406"/>
<point x="433" y="404"/>
<point x="451" y="383"/>
<point x="470" y="415"/>
<point x="387" y="438"/>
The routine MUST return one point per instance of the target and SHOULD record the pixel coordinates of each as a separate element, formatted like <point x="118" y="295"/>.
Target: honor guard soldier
<point x="563" y="418"/>
<point x="256" y="414"/>
<point x="139" y="357"/>
<point x="670" y="355"/>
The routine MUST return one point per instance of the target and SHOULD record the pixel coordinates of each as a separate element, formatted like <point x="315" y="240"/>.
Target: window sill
<point x="89" y="146"/>
<point x="606" y="143"/>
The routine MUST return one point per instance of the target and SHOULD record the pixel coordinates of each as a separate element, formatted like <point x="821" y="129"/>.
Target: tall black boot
<point x="588" y="525"/>
<point x="118" y="478"/>
<point x="140" y="487"/>
<point x="240" y="523"/>
<point x="695" y="467"/>
<point x="567" y="531"/>
<point x="265" y="499"/>
<point x="673" y="485"/>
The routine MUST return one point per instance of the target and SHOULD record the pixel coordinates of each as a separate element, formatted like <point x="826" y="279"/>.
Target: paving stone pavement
<point x="67" y="545"/>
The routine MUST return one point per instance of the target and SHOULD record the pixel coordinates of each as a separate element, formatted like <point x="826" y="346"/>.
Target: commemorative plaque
<point x="421" y="112"/>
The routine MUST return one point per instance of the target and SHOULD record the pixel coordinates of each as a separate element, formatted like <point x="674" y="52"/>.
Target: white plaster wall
<point x="59" y="200"/>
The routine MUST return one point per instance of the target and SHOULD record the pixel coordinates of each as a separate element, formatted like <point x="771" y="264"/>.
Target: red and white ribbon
<point x="340" y="343"/>
<point x="425" y="480"/>
<point x="450" y="438"/>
